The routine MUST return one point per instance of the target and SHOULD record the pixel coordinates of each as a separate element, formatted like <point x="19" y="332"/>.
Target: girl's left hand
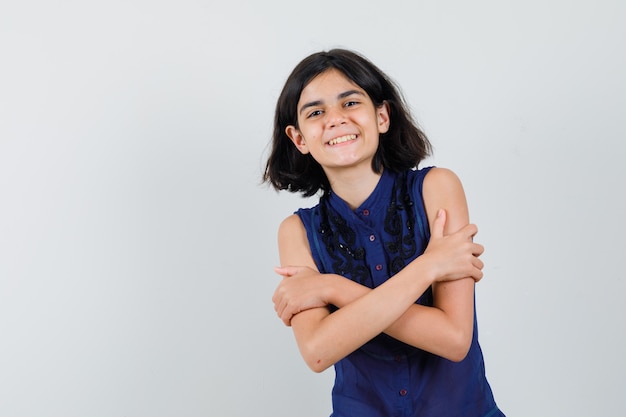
<point x="302" y="288"/>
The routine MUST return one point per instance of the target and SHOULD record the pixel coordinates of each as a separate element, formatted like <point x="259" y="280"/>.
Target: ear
<point x="297" y="138"/>
<point x="382" y="116"/>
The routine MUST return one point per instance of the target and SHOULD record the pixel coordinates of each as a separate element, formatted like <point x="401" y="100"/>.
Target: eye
<point x="314" y="113"/>
<point x="351" y="103"/>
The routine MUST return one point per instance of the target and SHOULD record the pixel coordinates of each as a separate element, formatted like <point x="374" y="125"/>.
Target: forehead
<point x="328" y="84"/>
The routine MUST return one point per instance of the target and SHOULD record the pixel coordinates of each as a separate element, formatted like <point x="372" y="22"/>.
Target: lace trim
<point x="340" y="240"/>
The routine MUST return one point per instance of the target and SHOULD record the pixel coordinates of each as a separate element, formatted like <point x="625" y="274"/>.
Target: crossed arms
<point x="450" y="265"/>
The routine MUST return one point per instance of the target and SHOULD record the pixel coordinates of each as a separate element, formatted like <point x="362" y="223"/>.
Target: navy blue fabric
<point x="386" y="377"/>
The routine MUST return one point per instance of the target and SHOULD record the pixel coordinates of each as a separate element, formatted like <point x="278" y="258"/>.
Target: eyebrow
<point x="339" y="97"/>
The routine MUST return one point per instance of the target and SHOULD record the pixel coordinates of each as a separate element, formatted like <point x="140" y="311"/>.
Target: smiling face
<point x="338" y="123"/>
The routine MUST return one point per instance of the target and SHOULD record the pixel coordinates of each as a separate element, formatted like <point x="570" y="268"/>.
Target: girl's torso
<point x="386" y="377"/>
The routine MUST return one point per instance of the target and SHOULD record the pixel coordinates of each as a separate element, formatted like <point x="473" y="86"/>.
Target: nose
<point x="335" y="116"/>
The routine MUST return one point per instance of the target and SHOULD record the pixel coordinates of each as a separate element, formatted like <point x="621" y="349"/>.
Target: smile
<point x="341" y="139"/>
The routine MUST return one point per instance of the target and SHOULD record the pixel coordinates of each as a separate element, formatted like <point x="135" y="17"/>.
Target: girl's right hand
<point x="454" y="256"/>
<point x="301" y="288"/>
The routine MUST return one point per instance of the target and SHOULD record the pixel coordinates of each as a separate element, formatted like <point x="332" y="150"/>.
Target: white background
<point x="137" y="245"/>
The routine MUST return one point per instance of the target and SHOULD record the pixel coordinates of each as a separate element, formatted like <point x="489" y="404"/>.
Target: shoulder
<point x="433" y="182"/>
<point x="290" y="226"/>
<point x="293" y="244"/>
<point x="292" y="231"/>
<point x="443" y="190"/>
<point x="441" y="181"/>
<point x="443" y="175"/>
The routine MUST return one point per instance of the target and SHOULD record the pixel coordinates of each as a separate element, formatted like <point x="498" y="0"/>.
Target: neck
<point x="354" y="186"/>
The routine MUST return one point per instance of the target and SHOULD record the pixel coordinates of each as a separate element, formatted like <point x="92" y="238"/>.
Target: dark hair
<point x="402" y="147"/>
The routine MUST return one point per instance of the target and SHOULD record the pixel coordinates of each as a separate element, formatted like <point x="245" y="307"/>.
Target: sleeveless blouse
<point x="386" y="377"/>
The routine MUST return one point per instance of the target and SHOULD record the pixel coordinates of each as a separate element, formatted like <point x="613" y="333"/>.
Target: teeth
<point x="341" y="139"/>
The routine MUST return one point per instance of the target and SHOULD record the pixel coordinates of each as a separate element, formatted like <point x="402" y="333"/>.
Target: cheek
<point x="311" y="133"/>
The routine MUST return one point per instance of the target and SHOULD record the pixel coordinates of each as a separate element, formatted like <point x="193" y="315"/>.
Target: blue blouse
<point x="386" y="377"/>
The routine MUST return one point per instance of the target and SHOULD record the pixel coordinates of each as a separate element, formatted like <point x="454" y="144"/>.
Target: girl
<point x="378" y="277"/>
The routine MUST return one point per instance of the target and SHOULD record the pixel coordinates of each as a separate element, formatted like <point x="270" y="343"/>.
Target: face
<point x="338" y="123"/>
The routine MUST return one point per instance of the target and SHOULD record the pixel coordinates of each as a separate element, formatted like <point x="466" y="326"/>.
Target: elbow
<point x="457" y="355"/>
<point x="317" y="366"/>
<point x="460" y="346"/>
<point x="316" y="359"/>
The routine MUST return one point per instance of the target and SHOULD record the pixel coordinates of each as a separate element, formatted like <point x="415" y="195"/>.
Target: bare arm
<point x="324" y="338"/>
<point x="446" y="329"/>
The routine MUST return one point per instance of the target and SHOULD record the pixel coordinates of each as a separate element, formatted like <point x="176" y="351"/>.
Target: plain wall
<point x="137" y="245"/>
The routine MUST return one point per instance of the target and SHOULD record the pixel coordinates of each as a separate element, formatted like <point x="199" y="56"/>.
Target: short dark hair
<point x="402" y="147"/>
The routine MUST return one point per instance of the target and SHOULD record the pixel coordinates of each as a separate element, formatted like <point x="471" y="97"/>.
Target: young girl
<point x="378" y="278"/>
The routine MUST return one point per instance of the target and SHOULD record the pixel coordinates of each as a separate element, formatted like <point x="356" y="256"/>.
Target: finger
<point x="479" y="276"/>
<point x="278" y="294"/>
<point x="285" y="271"/>
<point x="284" y="311"/>
<point x="439" y="224"/>
<point x="287" y="315"/>
<point x="478" y="264"/>
<point x="478" y="269"/>
<point x="279" y="303"/>
<point x="476" y="274"/>
<point x="470" y="231"/>
<point x="478" y="249"/>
